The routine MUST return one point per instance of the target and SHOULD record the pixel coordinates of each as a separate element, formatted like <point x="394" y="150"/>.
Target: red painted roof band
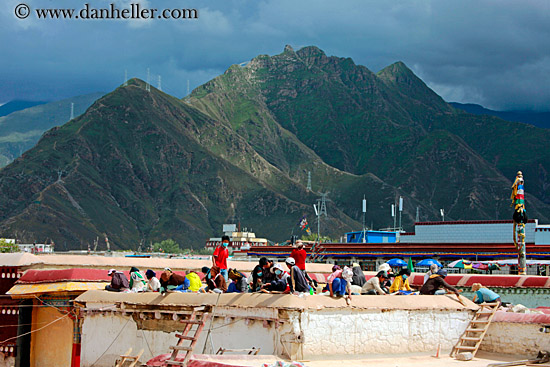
<point x="469" y="222"/>
<point x="400" y="246"/>
<point x="36" y="276"/>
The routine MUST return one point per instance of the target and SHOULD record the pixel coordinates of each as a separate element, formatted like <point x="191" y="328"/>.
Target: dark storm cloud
<point x="496" y="53"/>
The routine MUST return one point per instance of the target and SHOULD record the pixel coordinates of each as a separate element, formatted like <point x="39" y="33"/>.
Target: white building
<point x="479" y="231"/>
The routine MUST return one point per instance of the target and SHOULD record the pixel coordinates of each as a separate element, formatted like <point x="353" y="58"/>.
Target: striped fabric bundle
<point x="520" y="198"/>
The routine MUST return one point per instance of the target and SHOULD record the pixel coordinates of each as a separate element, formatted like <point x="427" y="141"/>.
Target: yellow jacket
<point x="194" y="282"/>
<point x="400" y="285"/>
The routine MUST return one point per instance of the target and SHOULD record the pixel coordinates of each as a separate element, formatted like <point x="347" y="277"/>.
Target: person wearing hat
<point x="238" y="282"/>
<point x="436" y="282"/>
<point x="280" y="283"/>
<point x="386" y="283"/>
<point x="297" y="281"/>
<point x="483" y="294"/>
<point x="337" y="285"/>
<point x="153" y="283"/>
<point x="373" y="286"/>
<point x="358" y="275"/>
<point x="433" y="270"/>
<point x="119" y="282"/>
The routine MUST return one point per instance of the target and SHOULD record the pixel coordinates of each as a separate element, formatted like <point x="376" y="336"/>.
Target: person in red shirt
<point x="219" y="258"/>
<point x="299" y="254"/>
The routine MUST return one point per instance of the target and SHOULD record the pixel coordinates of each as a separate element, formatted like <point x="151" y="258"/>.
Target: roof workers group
<point x="271" y="277"/>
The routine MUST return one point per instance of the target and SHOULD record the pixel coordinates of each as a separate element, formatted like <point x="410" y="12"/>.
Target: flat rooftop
<point x="482" y="359"/>
<point x="279" y="301"/>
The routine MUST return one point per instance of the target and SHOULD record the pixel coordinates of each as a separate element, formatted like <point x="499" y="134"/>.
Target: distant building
<point x="445" y="241"/>
<point x="239" y="240"/>
<point x="473" y="231"/>
<point x="371" y="237"/>
<point x="36" y="248"/>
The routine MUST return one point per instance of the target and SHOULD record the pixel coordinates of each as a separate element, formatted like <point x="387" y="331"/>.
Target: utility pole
<point x="442" y="212"/>
<point x="364" y="213"/>
<point x="400" y="211"/>
<point x="72" y="111"/>
<point x="308" y="181"/>
<point x="148" y="85"/>
<point x="320" y="209"/>
<point x="393" y="215"/>
<point x="318" y="220"/>
<point x="417" y="214"/>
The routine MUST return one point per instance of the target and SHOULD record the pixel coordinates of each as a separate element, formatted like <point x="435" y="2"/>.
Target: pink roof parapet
<point x="521" y="318"/>
<point x="497" y="281"/>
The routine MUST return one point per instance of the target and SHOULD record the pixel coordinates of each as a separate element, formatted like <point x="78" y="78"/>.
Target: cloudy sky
<point x="492" y="52"/>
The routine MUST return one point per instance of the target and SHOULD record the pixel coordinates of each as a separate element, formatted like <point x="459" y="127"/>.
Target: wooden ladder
<point x="476" y="330"/>
<point x="132" y="360"/>
<point x="197" y="318"/>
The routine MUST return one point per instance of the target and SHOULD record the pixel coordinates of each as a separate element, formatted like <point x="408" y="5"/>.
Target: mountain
<point x="539" y="119"/>
<point x="145" y="166"/>
<point x="389" y="124"/>
<point x="17" y="105"/>
<point x="20" y="130"/>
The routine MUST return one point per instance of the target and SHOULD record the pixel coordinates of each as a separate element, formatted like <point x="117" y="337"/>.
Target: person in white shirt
<point x="372" y="286"/>
<point x="153" y="284"/>
<point x="433" y="270"/>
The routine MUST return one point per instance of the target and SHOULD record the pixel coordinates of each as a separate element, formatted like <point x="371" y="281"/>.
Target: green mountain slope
<point x="20" y="130"/>
<point x="389" y="124"/>
<point x="144" y="165"/>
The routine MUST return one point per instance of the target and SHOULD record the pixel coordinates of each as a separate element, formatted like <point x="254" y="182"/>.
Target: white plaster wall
<point x="515" y="338"/>
<point x="107" y="336"/>
<point x="542" y="235"/>
<point x="377" y="332"/>
<point x="304" y="335"/>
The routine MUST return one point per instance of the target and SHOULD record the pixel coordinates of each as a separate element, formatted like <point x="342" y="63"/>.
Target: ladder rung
<point x="464" y="347"/>
<point x="181" y="347"/>
<point x="177" y="363"/>
<point x="471" y="338"/>
<point x="480" y="321"/>
<point x="192" y="322"/>
<point x="475" y="330"/>
<point x="186" y="337"/>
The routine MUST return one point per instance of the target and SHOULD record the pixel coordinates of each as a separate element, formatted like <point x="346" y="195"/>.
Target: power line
<point x="34" y="331"/>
